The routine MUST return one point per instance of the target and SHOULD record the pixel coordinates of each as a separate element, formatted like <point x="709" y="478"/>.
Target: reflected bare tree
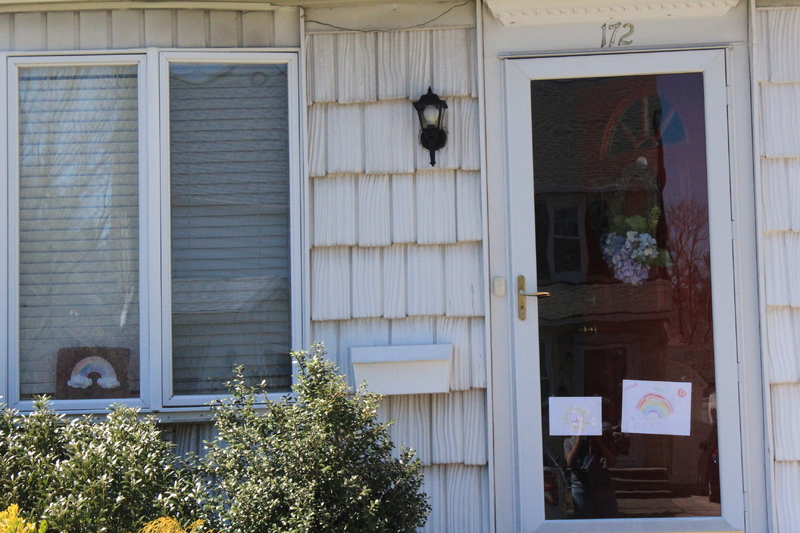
<point x="691" y="274"/>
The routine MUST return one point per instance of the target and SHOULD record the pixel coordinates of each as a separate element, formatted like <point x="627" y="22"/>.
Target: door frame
<point x="524" y="341"/>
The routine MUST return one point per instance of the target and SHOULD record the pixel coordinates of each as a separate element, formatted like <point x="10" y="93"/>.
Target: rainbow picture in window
<point x="656" y="407"/>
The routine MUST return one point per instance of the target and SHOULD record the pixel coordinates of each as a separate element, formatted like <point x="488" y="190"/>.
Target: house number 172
<point x="613" y="29"/>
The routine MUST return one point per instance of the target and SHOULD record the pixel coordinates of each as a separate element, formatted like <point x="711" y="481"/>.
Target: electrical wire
<point x="390" y="29"/>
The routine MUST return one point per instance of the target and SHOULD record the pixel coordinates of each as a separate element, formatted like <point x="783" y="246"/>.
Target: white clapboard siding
<point x="78" y="218"/>
<point x="229" y="182"/>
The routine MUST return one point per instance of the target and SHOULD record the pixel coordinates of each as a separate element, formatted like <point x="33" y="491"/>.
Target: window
<point x="153" y="226"/>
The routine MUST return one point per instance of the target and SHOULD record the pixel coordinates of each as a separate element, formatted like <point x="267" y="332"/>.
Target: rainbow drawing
<point x="654" y="406"/>
<point x="79" y="379"/>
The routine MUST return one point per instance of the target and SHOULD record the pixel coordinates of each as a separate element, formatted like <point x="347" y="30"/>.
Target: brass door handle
<point x="522" y="298"/>
<point x="536" y="294"/>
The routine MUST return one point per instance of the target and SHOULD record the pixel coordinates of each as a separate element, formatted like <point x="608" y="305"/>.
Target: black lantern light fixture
<point x="433" y="136"/>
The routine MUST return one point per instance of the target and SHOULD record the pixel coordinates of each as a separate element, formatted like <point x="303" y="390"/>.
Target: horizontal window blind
<point x="229" y="179"/>
<point x="78" y="222"/>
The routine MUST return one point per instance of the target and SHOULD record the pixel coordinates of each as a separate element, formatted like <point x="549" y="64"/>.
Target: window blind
<point x="78" y="218"/>
<point x="229" y="159"/>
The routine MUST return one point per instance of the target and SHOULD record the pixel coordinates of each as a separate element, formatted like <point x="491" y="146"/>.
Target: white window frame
<point x="295" y="193"/>
<point x="525" y="382"/>
<point x="154" y="218"/>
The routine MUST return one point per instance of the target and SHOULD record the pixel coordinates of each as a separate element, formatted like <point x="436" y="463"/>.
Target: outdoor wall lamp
<point x="433" y="136"/>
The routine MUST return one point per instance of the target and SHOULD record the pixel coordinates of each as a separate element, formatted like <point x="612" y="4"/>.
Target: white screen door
<point x="626" y="374"/>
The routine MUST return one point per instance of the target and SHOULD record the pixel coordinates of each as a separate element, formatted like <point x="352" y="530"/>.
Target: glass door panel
<point x="626" y="339"/>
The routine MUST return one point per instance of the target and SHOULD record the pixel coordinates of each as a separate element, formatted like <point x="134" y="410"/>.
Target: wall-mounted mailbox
<point x="391" y="370"/>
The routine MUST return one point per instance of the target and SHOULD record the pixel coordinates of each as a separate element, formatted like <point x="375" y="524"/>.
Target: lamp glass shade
<point x="430" y="116"/>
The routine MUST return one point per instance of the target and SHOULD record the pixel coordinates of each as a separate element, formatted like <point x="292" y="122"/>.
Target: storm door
<point x="622" y="277"/>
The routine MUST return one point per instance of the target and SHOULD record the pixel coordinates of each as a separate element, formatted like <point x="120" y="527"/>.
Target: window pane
<point x="78" y="232"/>
<point x="632" y="151"/>
<point x="230" y="225"/>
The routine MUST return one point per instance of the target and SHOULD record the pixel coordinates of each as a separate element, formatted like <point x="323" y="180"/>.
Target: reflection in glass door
<point x="622" y="246"/>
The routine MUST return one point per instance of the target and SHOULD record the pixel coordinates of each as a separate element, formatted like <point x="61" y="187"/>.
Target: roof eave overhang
<point x="539" y="12"/>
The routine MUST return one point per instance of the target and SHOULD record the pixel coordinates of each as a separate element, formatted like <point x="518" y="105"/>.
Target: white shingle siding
<point x="413" y="330"/>
<point x="334" y="211"/>
<point x="783" y="334"/>
<point x="397" y="252"/>
<point x="783" y="27"/>
<point x="777" y="69"/>
<point x="137" y="28"/>
<point x="392" y="65"/>
<point x="436" y="207"/>
<point x="390" y="143"/>
<point x="355" y="63"/>
<point x="787" y="487"/>
<point x="330" y="283"/>
<point x="367" y="283"/>
<point x="394" y="287"/>
<point x="374" y="210"/>
<point x="404" y="217"/>
<point x="785" y="399"/>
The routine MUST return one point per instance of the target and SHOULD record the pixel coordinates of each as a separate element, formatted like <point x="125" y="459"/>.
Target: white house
<point x="194" y="185"/>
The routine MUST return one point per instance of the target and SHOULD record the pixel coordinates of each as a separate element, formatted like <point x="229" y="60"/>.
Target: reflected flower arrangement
<point x="630" y="248"/>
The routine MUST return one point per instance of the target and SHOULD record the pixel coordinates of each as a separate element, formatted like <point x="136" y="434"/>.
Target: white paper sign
<point x="576" y="415"/>
<point x="656" y="407"/>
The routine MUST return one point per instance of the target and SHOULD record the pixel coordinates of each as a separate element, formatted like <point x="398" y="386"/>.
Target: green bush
<point x="86" y="475"/>
<point x="318" y="461"/>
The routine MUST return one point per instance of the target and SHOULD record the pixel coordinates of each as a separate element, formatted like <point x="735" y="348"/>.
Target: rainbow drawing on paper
<point x="80" y="379"/>
<point x="654" y="406"/>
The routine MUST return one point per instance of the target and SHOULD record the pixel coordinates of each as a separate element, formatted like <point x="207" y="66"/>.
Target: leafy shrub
<point x="169" y="525"/>
<point x="86" y="475"/>
<point x="317" y="462"/>
<point x="11" y="522"/>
